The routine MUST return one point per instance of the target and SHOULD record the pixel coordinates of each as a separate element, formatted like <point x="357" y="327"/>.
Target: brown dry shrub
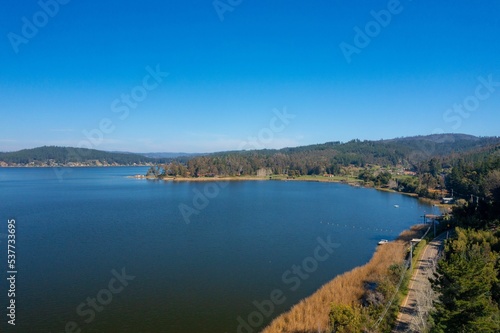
<point x="311" y="314"/>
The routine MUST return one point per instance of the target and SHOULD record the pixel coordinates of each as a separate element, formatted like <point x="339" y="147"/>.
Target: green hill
<point x="53" y="156"/>
<point x="408" y="152"/>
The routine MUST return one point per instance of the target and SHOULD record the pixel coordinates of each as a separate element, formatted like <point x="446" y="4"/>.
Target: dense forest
<point x="468" y="277"/>
<point x="425" y="165"/>
<point x="466" y="282"/>
<point x="465" y="295"/>
<point x="330" y="158"/>
<point x="49" y="156"/>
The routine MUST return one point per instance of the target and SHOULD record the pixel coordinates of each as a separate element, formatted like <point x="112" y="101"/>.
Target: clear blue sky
<point x="227" y="76"/>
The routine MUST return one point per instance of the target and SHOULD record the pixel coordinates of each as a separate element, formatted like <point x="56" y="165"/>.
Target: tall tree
<point x="465" y="280"/>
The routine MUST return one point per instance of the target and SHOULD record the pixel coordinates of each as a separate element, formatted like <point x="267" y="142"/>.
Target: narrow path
<point x="412" y="313"/>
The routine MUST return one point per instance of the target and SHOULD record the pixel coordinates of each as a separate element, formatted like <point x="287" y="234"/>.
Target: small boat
<point x="396" y="206"/>
<point x="383" y="241"/>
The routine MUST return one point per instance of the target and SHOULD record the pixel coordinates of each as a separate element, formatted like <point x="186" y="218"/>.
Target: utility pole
<point x="416" y="240"/>
<point x="411" y="254"/>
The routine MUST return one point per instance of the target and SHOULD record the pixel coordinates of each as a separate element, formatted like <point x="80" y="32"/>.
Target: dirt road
<point x="413" y="312"/>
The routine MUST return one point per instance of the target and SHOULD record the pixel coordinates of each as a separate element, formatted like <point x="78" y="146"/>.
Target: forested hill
<point x="313" y="159"/>
<point x="329" y="157"/>
<point x="65" y="156"/>
<point x="412" y="148"/>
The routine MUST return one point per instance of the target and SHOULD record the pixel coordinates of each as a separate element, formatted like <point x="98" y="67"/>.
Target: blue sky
<point x="233" y="64"/>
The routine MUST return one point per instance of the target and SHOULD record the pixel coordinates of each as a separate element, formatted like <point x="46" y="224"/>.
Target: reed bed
<point x="311" y="315"/>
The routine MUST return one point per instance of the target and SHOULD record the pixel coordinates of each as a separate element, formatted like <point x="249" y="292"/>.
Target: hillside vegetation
<point x="467" y="278"/>
<point x="467" y="168"/>
<point x="55" y="156"/>
<point x="331" y="157"/>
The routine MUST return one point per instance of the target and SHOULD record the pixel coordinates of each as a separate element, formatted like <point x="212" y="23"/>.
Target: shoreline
<point x="319" y="179"/>
<point x="72" y="166"/>
<point x="312" y="313"/>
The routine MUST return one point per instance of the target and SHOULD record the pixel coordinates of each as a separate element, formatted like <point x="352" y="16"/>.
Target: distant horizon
<point x="218" y="75"/>
<point x="220" y="151"/>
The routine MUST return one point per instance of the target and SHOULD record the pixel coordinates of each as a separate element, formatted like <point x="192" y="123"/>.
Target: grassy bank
<point x="347" y="180"/>
<point x="353" y="181"/>
<point x="213" y="179"/>
<point x="312" y="314"/>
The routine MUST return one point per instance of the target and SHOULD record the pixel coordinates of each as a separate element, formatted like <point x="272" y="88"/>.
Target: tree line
<point x="468" y="276"/>
<point x="331" y="157"/>
<point x="65" y="155"/>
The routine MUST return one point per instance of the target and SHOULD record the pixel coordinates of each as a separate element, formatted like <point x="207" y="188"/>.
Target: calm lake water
<point x="99" y="252"/>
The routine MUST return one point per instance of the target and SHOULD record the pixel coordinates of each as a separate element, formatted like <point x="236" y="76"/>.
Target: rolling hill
<point x="67" y="156"/>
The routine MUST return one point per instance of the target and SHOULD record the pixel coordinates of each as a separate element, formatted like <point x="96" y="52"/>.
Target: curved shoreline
<point x="349" y="181"/>
<point x="312" y="313"/>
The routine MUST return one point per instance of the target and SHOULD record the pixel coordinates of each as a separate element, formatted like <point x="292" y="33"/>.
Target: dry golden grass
<point x="312" y="313"/>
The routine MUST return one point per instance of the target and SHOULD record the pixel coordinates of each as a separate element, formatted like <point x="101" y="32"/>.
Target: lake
<point x="99" y="252"/>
